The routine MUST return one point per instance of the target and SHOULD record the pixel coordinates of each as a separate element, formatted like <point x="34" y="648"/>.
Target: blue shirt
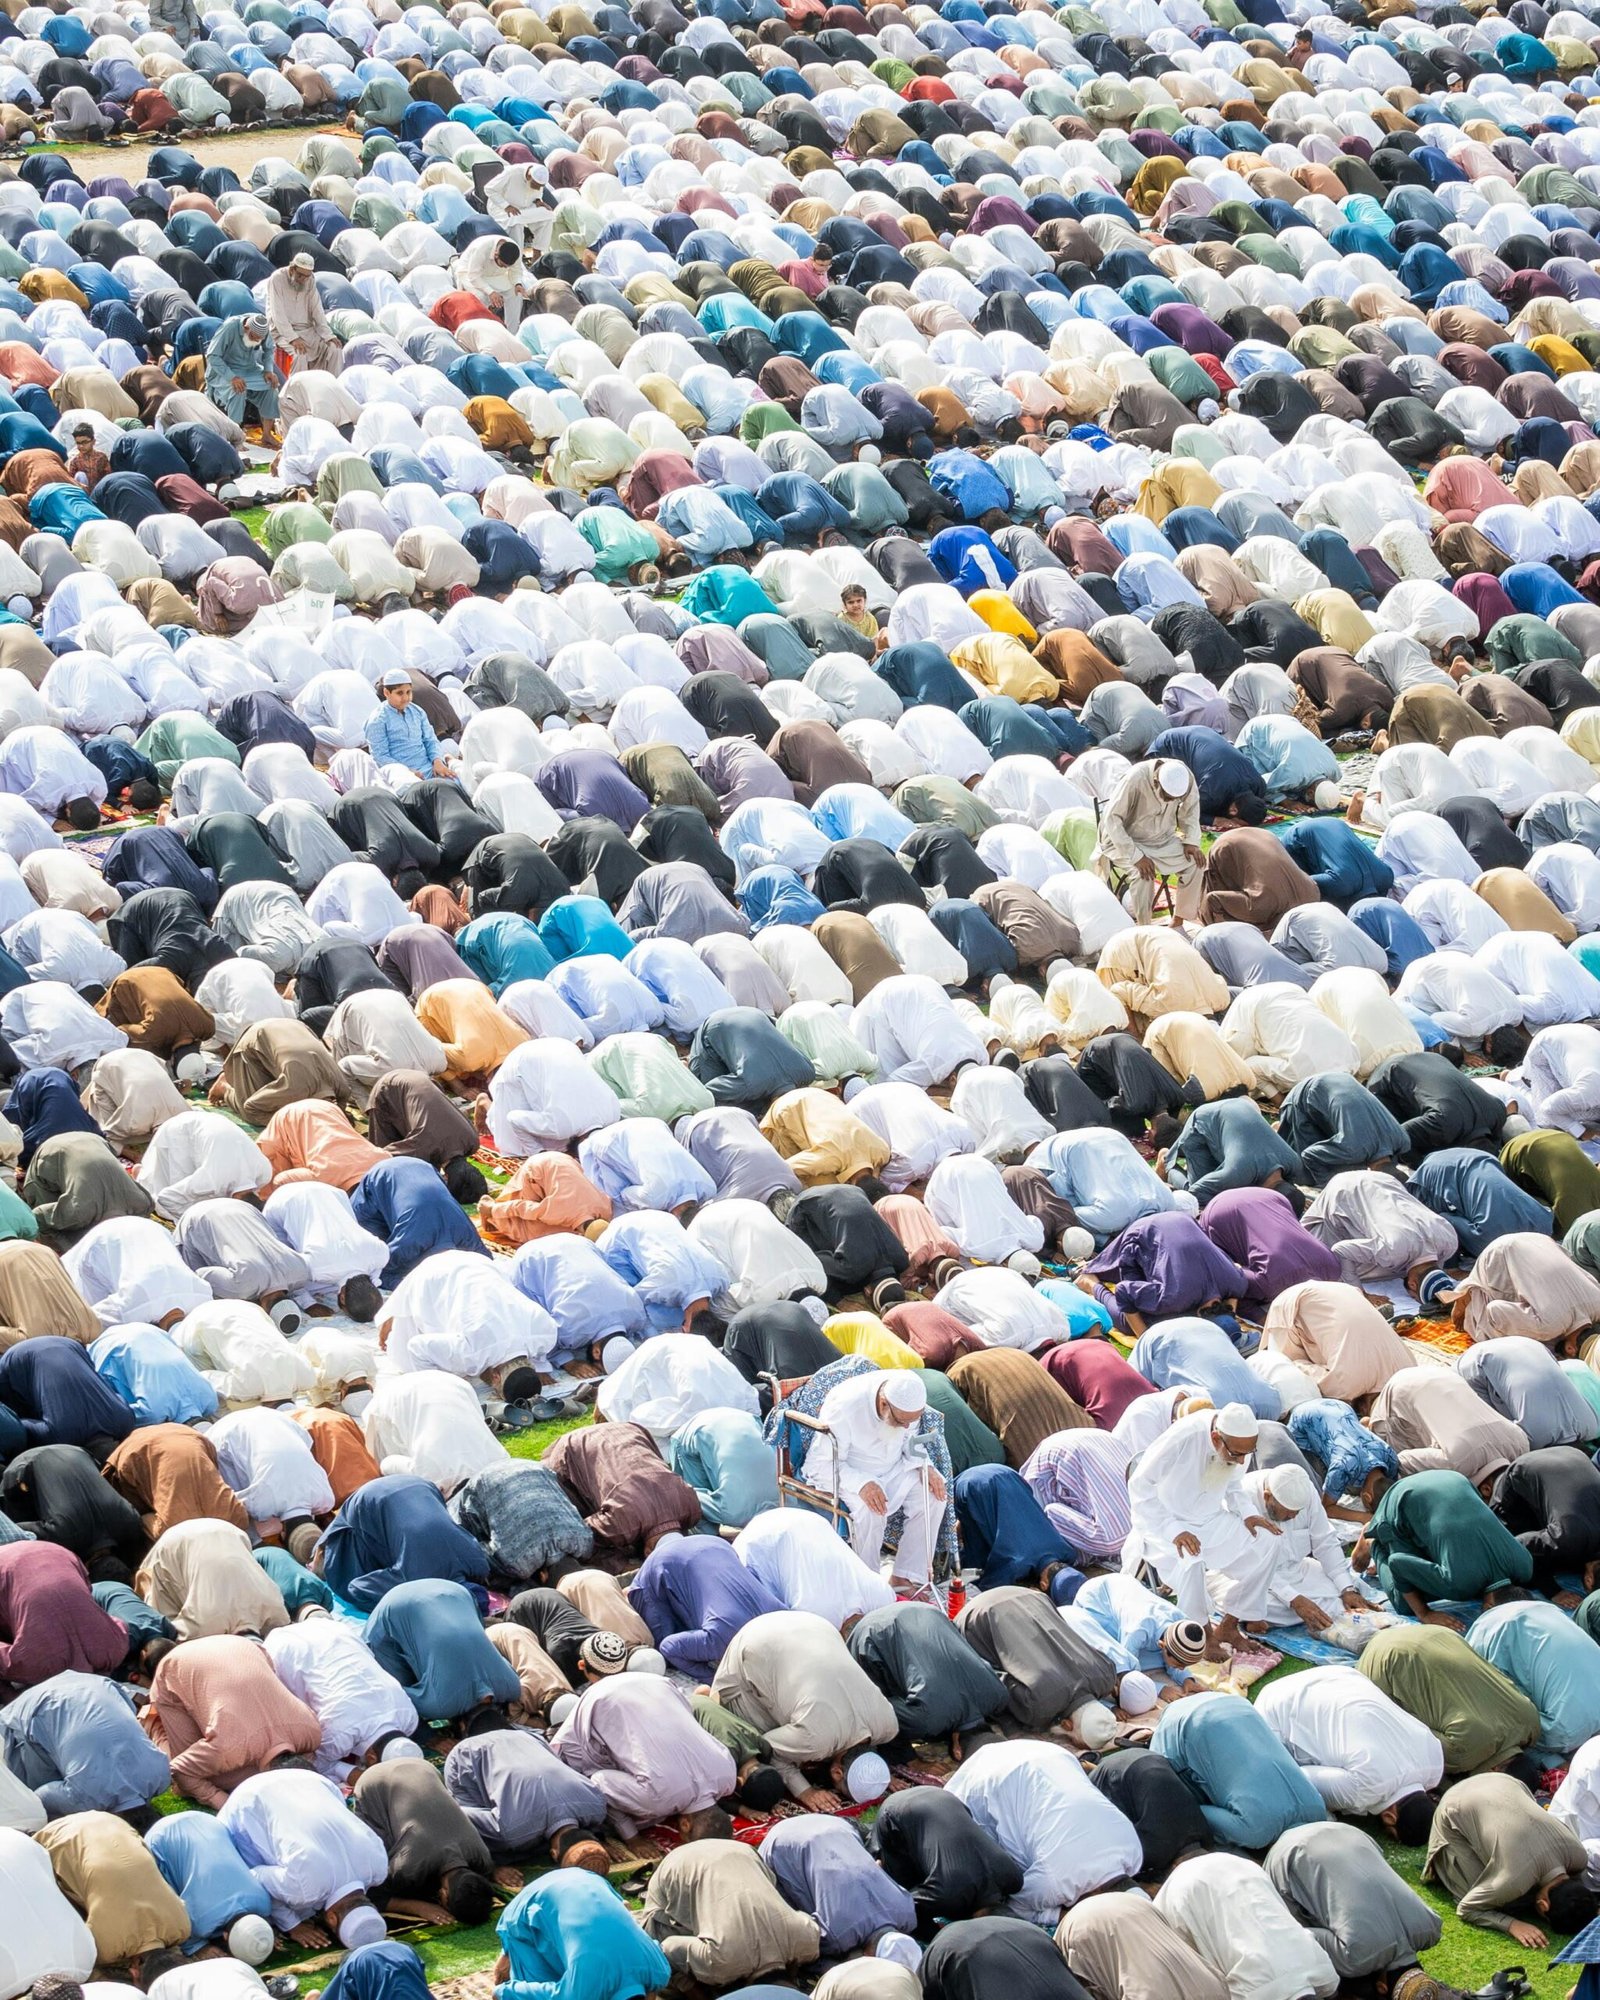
<point x="1554" y="1662"/>
<point x="153" y="1376"/>
<point x="74" y="1739"/>
<point x="730" y="1465"/>
<point x="695" y="1594"/>
<point x="569" y="1936"/>
<point x="428" y="1634"/>
<point x="403" y="736"/>
<point x="201" y="1865"/>
<point x="1251" y="1789"/>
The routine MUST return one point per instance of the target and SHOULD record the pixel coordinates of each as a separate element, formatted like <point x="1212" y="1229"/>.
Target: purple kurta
<point x="1259" y="1230"/>
<point x="1163" y="1265"/>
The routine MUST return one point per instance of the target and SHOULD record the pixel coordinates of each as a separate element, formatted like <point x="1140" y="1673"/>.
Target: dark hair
<point x="1413" y="1818"/>
<point x="763" y="1789"/>
<point x="873" y="1188"/>
<point x="82" y="814"/>
<point x="143" y="795"/>
<point x="153" y="1652"/>
<point x="521" y="1383"/>
<point x="465" y="1182"/>
<point x="468" y="1896"/>
<point x="153" y="1963"/>
<point x="407" y="882"/>
<point x="711" y="1823"/>
<point x="360" y="1298"/>
<point x="1250" y="807"/>
<point x="1573" y="1906"/>
<point x="484" y="1721"/>
<point x="141" y="1818"/>
<point x="57" y="1986"/>
<point x="708" y="1326"/>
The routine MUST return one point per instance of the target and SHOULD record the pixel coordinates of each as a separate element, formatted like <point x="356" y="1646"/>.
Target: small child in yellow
<point x="855" y="613"/>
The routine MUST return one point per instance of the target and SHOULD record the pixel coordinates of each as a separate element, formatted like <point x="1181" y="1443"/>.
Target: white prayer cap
<point x="1290" y="1487"/>
<point x="356" y="1401"/>
<point x="1173" y="777"/>
<point x="1026" y="1263"/>
<point x="615" y="1352"/>
<point x="1326" y="796"/>
<point x="1237" y="1420"/>
<point x="1184" y="1203"/>
<point x="1076" y="1244"/>
<point x="818" y="1308"/>
<point x="1094" y="1725"/>
<point x="362" y="1925"/>
<point x="198" y="1071"/>
<point x="561" y="1708"/>
<point x="645" y="1660"/>
<point x="867" y="1778"/>
<point x="853" y="1087"/>
<point x="1137" y="1694"/>
<point x="899" y="1950"/>
<point x="398" y="1749"/>
<point x="1515" y="1125"/>
<point x="251" y="1940"/>
<point x="903" y="1390"/>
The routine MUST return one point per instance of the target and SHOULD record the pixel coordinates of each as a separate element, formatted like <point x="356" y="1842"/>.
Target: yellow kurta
<point x="820" y="1139"/>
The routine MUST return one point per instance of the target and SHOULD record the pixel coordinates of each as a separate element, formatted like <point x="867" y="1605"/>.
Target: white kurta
<point x="1361" y="1750"/>
<point x="242" y="1354"/>
<point x="460" y="1314"/>
<point x="1240" y="1925"/>
<point x="198" y="1156"/>
<point x="430" y="1424"/>
<point x="808" y="1568"/>
<point x="129" y="1269"/>
<point x="325" y="1663"/>
<point x="669" y="1380"/>
<point x="1037" y="1802"/>
<point x="320" y="1224"/>
<point x="302" y="1843"/>
<point x="969" y="1200"/>
<point x="866" y="1449"/>
<point x="43" y="1932"/>
<point x="266" y="1457"/>
<point x="1183" y="1485"/>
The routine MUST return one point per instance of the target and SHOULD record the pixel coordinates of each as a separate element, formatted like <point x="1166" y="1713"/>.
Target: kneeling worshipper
<point x="694" y="1594"/>
<point x="428" y="1635"/>
<point x="1506" y="1863"/>
<point x="1431" y="1539"/>
<point x="504" y="1792"/>
<point x="790" y="1675"/>
<point x="569" y="1932"/>
<point x="314" y="1857"/>
<point x="824" y="1870"/>
<point x="1366" y="1756"/>
<point x="715" y="1910"/>
<point x="1479" y="1717"/>
<point x="931" y="1844"/>
<point x="1036" y="1801"/>
<point x="939" y="1687"/>
<point x="1335" y="1880"/>
<point x="221" y="1714"/>
<point x="635" y="1738"/>
<point x="1311" y="1579"/>
<point x="1250" y="1788"/>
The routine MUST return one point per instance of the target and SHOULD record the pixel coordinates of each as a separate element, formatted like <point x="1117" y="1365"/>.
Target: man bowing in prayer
<point x="1192" y="1512"/>
<point x="877" y="1466"/>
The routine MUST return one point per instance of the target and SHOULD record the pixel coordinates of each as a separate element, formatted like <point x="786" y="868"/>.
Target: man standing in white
<point x="1192" y="1512"/>
<point x="881" y="1469"/>
<point x="1367" y="1758"/>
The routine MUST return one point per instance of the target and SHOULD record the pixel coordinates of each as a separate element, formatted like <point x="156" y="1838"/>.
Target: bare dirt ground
<point x="239" y="150"/>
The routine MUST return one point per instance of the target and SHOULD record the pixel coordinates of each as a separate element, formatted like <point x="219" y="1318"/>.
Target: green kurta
<point x="1479" y="1717"/>
<point x="1434" y="1536"/>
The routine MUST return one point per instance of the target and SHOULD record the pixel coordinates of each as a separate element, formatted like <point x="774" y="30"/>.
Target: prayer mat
<point x="1442" y="1336"/>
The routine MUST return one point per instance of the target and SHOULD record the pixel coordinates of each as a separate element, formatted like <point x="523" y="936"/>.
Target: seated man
<point x="1431" y="1538"/>
<point x="1069" y="1839"/>
<point x="875" y="1464"/>
<point x="316" y="1859"/>
<point x="1504" y="1861"/>
<point x="929" y="1841"/>
<point x="1251" y="1789"/>
<point x="76" y="1741"/>
<point x="1311" y="1579"/>
<point x="1369" y="1921"/>
<point x="439" y="1867"/>
<point x="1190" y="1514"/>
<point x="636" y="1738"/>
<point x="1479" y="1717"/>
<point x="694" y="1594"/>
<point x="824" y="1871"/>
<point x="1150" y="832"/>
<point x="571" y="1933"/>
<point x="514" y="1796"/>
<point x="937" y="1684"/>
<point x="718" y="1916"/>
<point x="428" y="1635"/>
<point x="789" y="1675"/>
<point x="1366" y="1756"/>
<point x="323" y="1661"/>
<point x="221" y="1714"/>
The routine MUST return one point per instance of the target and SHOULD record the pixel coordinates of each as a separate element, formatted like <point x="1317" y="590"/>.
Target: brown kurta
<point x="339" y="1448"/>
<point x="542" y="1680"/>
<point x="169" y="1472"/>
<point x="1505" y="705"/>
<point x="812" y="757"/>
<point x="104" y="1869"/>
<point x="621" y="1485"/>
<point x="1011" y="1393"/>
<point x="1037" y="933"/>
<point x="1523" y="904"/>
<point x="1435" y="715"/>
<point x="410" y="1115"/>
<point x="856" y="948"/>
<point x="1346" y="695"/>
<point x="1077" y="663"/>
<point x="1249" y="877"/>
<point x="37" y="1297"/>
<point x="275" y="1063"/>
<point x="221" y="1714"/>
<point x="155" y="1010"/>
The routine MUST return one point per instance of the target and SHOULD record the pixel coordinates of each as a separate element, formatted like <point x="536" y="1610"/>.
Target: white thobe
<point x="915" y="1034"/>
<point x="1037" y="1802"/>
<point x="994" y="1107"/>
<point x="867" y="1449"/>
<point x="51" y="1027"/>
<point x="1421" y="847"/>
<point x="806" y="1566"/>
<point x="1377" y="1228"/>
<point x="766" y="1262"/>
<point x="1227" y="1909"/>
<point x="242" y="1354"/>
<point x="1570" y="876"/>
<point x="267" y="1459"/>
<point x="237" y="994"/>
<point x="1003" y="1309"/>
<point x="970" y="1201"/>
<point x="1358" y="1004"/>
<point x="431" y="1424"/>
<point x="1361" y="1750"/>
<point x="129" y="1093"/>
<point x="44" y="1933"/>
<point x="1451" y="988"/>
<point x="1559" y="1081"/>
<point x="129" y="1269"/>
<point x="354" y="901"/>
<point x="545" y="1095"/>
<point x="325" y="1662"/>
<point x="1577" y="1803"/>
<point x="1551" y="984"/>
<point x="198" y="1156"/>
<point x="798" y="959"/>
<point x="917" y="1131"/>
<point x="374" y="1032"/>
<point x="320" y="1224"/>
<point x="1285" y="1037"/>
<point x="918" y="945"/>
<point x="1182" y="1485"/>
<point x="459" y="1313"/>
<point x="302" y="1843"/>
<point x="669" y="1380"/>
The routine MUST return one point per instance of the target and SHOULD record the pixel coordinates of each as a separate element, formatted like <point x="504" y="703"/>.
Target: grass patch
<point x="254" y="520"/>
<point x="538" y="1438"/>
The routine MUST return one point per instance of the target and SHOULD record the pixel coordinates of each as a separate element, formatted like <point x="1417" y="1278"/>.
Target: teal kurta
<point x="1432" y="1535"/>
